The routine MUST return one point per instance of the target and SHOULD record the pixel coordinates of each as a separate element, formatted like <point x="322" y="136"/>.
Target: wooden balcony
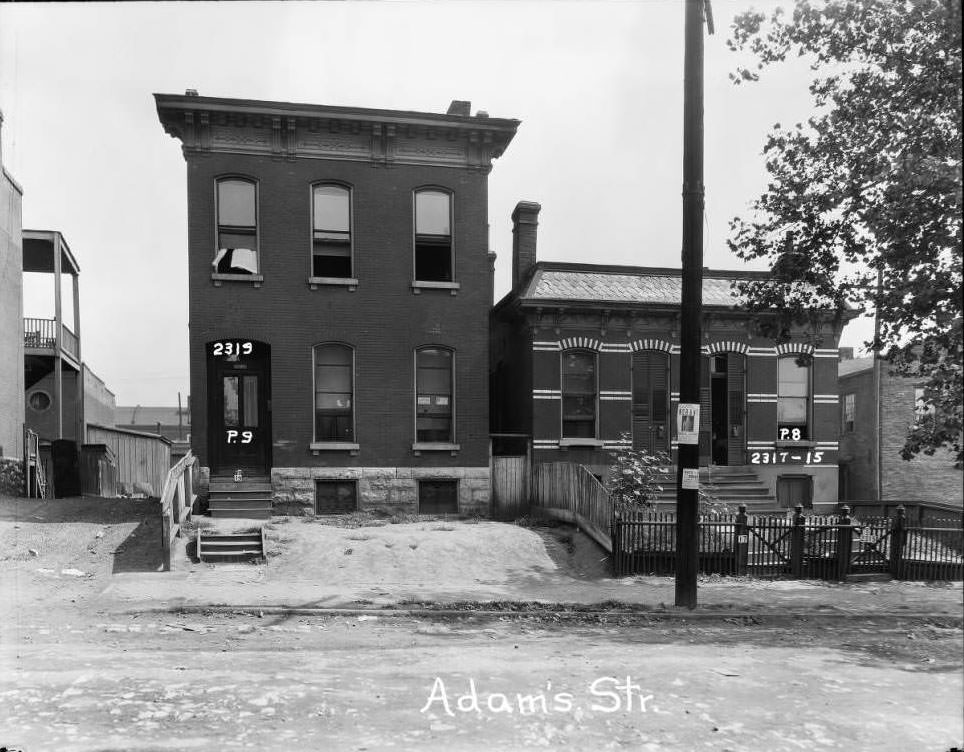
<point x="41" y="334"/>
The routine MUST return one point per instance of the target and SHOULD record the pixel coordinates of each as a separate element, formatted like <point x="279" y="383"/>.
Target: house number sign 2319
<point x="232" y="348"/>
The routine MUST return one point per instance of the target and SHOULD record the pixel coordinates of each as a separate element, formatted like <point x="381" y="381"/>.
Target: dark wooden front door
<point x="651" y="401"/>
<point x="239" y="394"/>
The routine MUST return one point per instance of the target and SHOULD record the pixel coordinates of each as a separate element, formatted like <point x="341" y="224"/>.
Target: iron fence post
<point x="742" y="540"/>
<point x="796" y="542"/>
<point x="845" y="537"/>
<point x="898" y="533"/>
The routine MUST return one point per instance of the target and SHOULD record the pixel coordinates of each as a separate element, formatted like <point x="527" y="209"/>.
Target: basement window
<point x="336" y="496"/>
<point x="438" y="497"/>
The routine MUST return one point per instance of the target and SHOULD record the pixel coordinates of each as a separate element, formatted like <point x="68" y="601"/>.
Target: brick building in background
<point x="11" y="314"/>
<point x="582" y="354"/>
<point x="924" y="478"/>
<point x="339" y="286"/>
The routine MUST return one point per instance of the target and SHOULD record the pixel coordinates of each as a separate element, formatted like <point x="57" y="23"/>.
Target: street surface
<point x="373" y="682"/>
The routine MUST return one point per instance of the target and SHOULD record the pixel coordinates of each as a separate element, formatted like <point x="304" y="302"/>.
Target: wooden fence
<point x="510" y="487"/>
<point x="98" y="471"/>
<point x="142" y="459"/>
<point x="804" y="547"/>
<point x="570" y="492"/>
<point x="177" y="504"/>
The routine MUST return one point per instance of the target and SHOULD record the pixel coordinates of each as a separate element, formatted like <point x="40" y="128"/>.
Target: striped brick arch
<point x="652" y="344"/>
<point x="723" y="347"/>
<point x="579" y="343"/>
<point x="794" y="348"/>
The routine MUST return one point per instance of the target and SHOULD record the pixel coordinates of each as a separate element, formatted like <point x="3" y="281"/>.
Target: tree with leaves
<point x="863" y="205"/>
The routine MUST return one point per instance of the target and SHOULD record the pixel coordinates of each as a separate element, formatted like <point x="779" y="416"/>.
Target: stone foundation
<point x="392" y="490"/>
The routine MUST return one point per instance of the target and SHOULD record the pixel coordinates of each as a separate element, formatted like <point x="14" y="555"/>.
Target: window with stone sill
<point x="433" y="236"/>
<point x="579" y="394"/>
<point x="334" y="393"/>
<point x="331" y="242"/>
<point x="237" y="233"/>
<point x="434" y="396"/>
<point x="793" y="398"/>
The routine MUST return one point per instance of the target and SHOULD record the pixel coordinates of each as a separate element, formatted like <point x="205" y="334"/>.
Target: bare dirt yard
<point x="98" y="650"/>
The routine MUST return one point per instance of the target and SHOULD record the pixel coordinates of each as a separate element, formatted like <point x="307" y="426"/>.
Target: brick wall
<point x="11" y="319"/>
<point x="922" y="478"/>
<point x="858" y="457"/>
<point x="382" y="319"/>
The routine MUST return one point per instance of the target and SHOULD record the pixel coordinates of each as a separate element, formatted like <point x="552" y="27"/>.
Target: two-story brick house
<point x="584" y="354"/>
<point x="871" y="468"/>
<point x="339" y="286"/>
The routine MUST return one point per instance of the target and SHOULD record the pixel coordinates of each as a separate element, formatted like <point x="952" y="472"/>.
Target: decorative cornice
<point x="287" y="131"/>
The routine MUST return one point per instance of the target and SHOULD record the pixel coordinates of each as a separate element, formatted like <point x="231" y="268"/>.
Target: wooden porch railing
<point x="177" y="504"/>
<point x="42" y="333"/>
<point x="570" y="492"/>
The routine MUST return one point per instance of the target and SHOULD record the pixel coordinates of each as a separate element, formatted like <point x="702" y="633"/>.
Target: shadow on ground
<point x="141" y="550"/>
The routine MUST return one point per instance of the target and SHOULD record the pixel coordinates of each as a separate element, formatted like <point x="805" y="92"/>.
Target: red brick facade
<point x="924" y="478"/>
<point x="383" y="316"/>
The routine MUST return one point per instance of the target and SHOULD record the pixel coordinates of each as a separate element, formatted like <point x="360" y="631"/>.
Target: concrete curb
<point x="248" y="610"/>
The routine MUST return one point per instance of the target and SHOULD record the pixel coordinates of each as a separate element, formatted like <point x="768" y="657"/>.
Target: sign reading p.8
<point x="791" y="433"/>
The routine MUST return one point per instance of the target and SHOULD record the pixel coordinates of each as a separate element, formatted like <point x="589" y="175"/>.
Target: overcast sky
<point x="597" y="86"/>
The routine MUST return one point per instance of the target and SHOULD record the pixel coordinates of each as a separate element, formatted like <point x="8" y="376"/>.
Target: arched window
<point x="334" y="393"/>
<point x="237" y="211"/>
<point x="434" y="395"/>
<point x="793" y="400"/>
<point x="433" y="236"/>
<point x="578" y="394"/>
<point x="331" y="231"/>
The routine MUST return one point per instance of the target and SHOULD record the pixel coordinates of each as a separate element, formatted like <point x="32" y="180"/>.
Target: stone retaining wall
<point x="393" y="490"/>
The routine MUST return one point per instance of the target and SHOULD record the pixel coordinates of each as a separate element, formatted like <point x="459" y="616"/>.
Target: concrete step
<point x="250" y="513"/>
<point x="229" y="545"/>
<point x="234" y="501"/>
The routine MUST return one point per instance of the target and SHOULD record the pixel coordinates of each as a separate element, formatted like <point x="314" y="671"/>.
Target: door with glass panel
<point x="239" y="393"/>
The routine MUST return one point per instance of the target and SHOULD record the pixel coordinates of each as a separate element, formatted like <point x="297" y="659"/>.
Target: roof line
<point x="648" y="271"/>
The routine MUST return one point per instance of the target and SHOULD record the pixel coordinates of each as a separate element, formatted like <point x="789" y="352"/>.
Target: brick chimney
<point x="525" y="224"/>
<point x="460" y="107"/>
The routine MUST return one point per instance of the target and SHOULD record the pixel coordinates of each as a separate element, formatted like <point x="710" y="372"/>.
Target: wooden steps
<point x="248" y="499"/>
<point x="221" y="546"/>
<point x="732" y="485"/>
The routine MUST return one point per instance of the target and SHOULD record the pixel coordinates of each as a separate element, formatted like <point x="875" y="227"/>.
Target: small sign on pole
<point x="688" y="423"/>
<point x="691" y="478"/>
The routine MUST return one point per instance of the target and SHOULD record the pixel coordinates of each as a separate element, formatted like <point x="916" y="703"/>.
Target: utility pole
<point x="687" y="485"/>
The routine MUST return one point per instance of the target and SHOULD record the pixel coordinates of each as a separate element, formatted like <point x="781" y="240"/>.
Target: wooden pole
<point x="687" y="500"/>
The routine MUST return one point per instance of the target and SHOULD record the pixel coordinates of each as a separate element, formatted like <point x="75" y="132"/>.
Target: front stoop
<point x="221" y="545"/>
<point x="248" y="499"/>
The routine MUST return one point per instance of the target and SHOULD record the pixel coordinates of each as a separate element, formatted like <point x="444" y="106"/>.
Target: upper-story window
<point x="434" y="396"/>
<point x="578" y="394"/>
<point x="237" y="210"/>
<point x="331" y="231"/>
<point x="433" y="236"/>
<point x="334" y="393"/>
<point x="793" y="400"/>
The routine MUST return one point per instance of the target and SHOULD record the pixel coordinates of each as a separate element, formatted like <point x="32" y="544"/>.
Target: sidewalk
<point x="198" y="585"/>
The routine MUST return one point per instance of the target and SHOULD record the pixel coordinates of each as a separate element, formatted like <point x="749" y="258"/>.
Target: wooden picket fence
<point x="799" y="546"/>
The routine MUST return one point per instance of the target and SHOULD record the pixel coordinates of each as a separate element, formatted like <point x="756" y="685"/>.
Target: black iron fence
<point x="800" y="546"/>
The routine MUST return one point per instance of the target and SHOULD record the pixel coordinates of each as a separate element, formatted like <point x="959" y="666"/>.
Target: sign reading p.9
<point x="231" y="348"/>
<point x="239" y="437"/>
